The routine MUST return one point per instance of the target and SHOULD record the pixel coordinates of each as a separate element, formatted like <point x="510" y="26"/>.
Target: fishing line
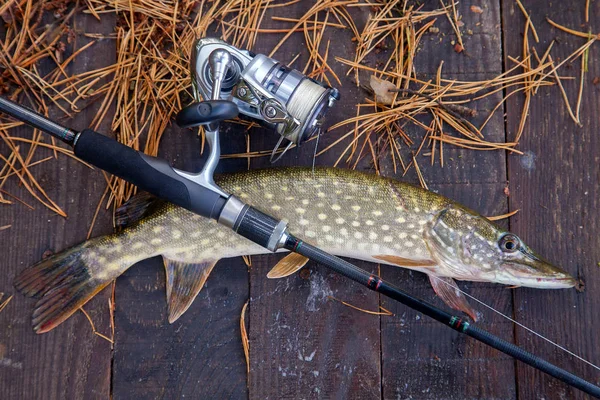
<point x="519" y="324"/>
<point x="314" y="159"/>
<point x="302" y="102"/>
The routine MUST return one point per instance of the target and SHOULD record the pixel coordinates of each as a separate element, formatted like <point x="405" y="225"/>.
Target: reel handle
<point x="211" y="112"/>
<point x="206" y="112"/>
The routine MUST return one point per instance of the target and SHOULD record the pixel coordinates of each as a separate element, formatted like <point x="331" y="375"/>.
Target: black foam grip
<point x="151" y="174"/>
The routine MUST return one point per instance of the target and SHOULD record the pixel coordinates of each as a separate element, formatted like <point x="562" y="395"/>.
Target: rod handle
<point x="260" y="228"/>
<point x="151" y="174"/>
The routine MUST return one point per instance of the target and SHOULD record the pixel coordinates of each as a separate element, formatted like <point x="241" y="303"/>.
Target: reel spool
<point x="264" y="89"/>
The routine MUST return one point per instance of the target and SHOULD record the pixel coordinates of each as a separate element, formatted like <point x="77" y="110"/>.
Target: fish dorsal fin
<point x="405" y="262"/>
<point x="136" y="208"/>
<point x="287" y="266"/>
<point x="184" y="282"/>
<point x="449" y="292"/>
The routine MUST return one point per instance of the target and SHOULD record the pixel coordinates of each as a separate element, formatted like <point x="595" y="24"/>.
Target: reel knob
<point x="206" y="112"/>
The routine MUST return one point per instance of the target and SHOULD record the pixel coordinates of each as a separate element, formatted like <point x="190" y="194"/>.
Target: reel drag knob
<point x="206" y="112"/>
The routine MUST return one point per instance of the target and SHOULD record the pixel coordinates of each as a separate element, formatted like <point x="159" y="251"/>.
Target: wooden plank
<point x="555" y="184"/>
<point x="420" y="357"/>
<point x="303" y="345"/>
<point x="69" y="362"/>
<point x="201" y="354"/>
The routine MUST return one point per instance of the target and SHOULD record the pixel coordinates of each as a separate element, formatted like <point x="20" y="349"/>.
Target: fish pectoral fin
<point x="406" y="262"/>
<point x="184" y="282"/>
<point x="287" y="266"/>
<point x="447" y="290"/>
<point x="136" y="208"/>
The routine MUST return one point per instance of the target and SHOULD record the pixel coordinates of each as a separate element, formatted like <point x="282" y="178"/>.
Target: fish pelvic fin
<point x="184" y="282"/>
<point x="289" y="264"/>
<point x="62" y="283"/>
<point x="447" y="290"/>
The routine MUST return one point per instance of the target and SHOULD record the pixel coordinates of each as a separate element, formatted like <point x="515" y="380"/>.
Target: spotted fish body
<point x="346" y="213"/>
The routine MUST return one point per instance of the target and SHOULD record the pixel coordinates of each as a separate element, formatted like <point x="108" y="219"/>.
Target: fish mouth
<point x="539" y="275"/>
<point x="548" y="283"/>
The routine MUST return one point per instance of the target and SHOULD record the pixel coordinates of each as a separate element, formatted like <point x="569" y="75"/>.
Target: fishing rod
<point x="239" y="81"/>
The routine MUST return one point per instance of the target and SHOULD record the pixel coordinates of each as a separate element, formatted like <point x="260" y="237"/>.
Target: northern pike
<point x="346" y="213"/>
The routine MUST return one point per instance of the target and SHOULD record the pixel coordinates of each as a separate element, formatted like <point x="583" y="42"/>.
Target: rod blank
<point x="38" y="121"/>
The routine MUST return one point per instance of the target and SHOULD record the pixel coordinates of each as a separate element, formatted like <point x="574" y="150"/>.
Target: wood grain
<point x="555" y="184"/>
<point x="199" y="356"/>
<point x="305" y="345"/>
<point x="69" y="362"/>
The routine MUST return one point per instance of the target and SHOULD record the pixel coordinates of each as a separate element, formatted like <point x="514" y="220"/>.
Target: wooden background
<point x="301" y="344"/>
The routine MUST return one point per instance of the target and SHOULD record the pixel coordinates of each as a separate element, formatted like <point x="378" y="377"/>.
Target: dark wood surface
<point x="302" y="344"/>
<point x="556" y="186"/>
<point x="71" y="362"/>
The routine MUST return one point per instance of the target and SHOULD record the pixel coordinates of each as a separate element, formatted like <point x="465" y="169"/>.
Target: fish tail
<point x="62" y="283"/>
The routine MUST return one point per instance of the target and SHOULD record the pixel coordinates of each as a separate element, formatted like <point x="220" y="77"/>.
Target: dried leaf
<point x="476" y="9"/>
<point x="382" y="89"/>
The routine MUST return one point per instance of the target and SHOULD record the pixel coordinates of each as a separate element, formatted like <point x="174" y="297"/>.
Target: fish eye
<point x="509" y="243"/>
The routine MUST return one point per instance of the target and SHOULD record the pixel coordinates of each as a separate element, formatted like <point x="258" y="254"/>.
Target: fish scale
<point x="343" y="212"/>
<point x="339" y="223"/>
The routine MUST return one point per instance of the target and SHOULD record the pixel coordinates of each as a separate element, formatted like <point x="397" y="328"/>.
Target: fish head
<point x="468" y="246"/>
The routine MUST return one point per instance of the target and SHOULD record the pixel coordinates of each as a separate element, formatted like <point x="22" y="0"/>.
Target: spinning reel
<point x="261" y="88"/>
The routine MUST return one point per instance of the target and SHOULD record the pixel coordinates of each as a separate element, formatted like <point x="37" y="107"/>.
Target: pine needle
<point x="5" y="303"/>
<point x="587" y="11"/>
<point x="94" y="327"/>
<point x="572" y="31"/>
<point x="25" y="45"/>
<point x="247" y="261"/>
<point x="503" y="216"/>
<point x="150" y="80"/>
<point x="529" y="23"/>
<point x="382" y="312"/>
<point x="245" y="342"/>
